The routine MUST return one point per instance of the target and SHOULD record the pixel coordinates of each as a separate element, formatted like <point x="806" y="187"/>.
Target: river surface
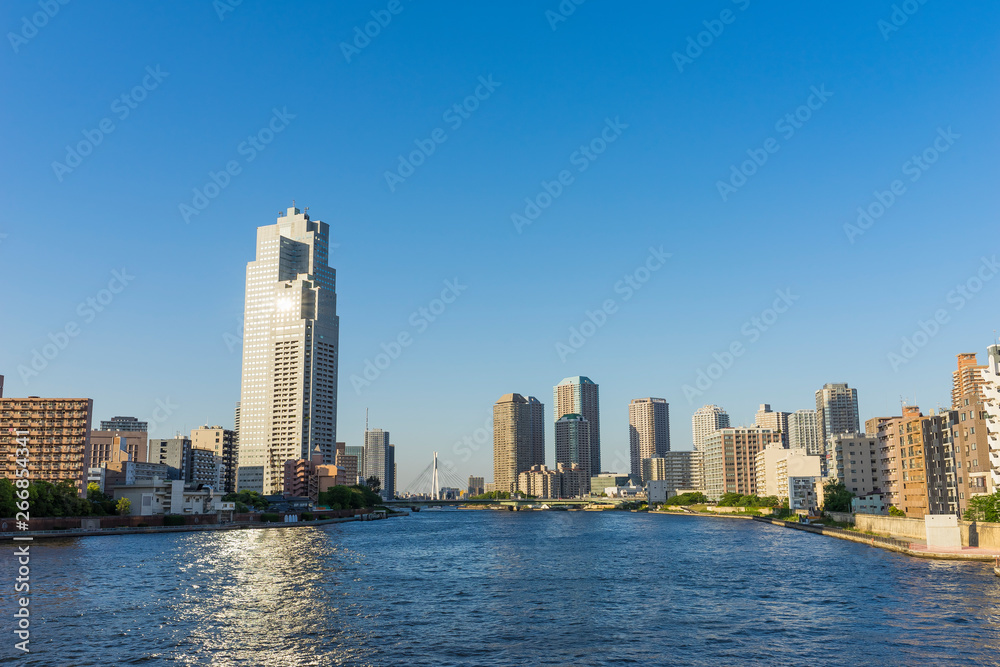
<point x="464" y="587"/>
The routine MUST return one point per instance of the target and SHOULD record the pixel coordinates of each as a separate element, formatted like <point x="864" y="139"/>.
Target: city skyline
<point x="447" y="229"/>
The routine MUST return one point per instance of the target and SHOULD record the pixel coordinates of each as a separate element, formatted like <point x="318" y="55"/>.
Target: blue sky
<point x="678" y="128"/>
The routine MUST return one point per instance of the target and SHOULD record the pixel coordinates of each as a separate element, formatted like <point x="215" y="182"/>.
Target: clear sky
<point x="633" y="126"/>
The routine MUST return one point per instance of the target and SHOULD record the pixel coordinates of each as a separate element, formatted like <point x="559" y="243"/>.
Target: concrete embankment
<point x="257" y="525"/>
<point x="889" y="543"/>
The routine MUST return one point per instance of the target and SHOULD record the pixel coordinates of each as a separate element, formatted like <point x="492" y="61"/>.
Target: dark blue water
<point x="504" y="588"/>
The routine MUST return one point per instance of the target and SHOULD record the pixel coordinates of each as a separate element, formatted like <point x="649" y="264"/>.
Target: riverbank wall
<point x="974" y="533"/>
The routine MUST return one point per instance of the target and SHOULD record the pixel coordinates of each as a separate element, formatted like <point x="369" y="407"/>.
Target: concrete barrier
<point x="842" y="517"/>
<point x="896" y="526"/>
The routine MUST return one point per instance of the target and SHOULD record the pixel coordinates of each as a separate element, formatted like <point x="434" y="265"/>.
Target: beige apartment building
<point x="56" y="433"/>
<point x="854" y="459"/>
<point x="776" y="421"/>
<point x="223" y="443"/>
<point x="707" y="420"/>
<point x="774" y="466"/>
<point x="105" y="446"/>
<point x="731" y="459"/>
<point x="518" y="434"/>
<point x="681" y="470"/>
<point x="648" y="431"/>
<point x="566" y="481"/>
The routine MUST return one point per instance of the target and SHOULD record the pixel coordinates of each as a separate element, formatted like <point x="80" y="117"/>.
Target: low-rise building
<point x="607" y="480"/>
<point x="128" y="473"/>
<point x="777" y="468"/>
<point x="172" y="452"/>
<point x="205" y="467"/>
<point x="871" y="503"/>
<point x="107" y="446"/>
<point x="160" y="496"/>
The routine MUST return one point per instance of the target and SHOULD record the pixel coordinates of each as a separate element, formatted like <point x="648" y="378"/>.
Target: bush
<point x="895" y="511"/>
<point x="306" y="516"/>
<point x="270" y="518"/>
<point x="174" y="520"/>
<point x="142" y="525"/>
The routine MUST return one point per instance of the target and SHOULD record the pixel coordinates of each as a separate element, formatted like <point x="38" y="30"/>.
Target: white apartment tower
<point x="648" y="431"/>
<point x="991" y="398"/>
<point x="288" y="399"/>
<point x="580" y="396"/>
<point x="707" y="420"/>
<point x="803" y="432"/>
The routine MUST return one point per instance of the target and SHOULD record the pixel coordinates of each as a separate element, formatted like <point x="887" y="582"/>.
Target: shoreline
<point x="145" y="530"/>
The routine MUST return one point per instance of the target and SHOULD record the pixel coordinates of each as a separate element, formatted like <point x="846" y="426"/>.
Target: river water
<point x="465" y="587"/>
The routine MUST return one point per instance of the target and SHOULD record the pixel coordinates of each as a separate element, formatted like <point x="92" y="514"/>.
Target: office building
<point x="56" y="432"/>
<point x="853" y="458"/>
<point x="224" y="444"/>
<point x="707" y="420"/>
<point x="648" y="431"/>
<point x="573" y="442"/>
<point x="126" y="473"/>
<point x="130" y="424"/>
<point x="288" y="397"/>
<point x="803" y="432"/>
<point x="776" y="421"/>
<point x="580" y="396"/>
<point x="358" y="452"/>
<point x="607" y="480"/>
<point x="836" y="410"/>
<point x="347" y="466"/>
<point x="731" y="459"/>
<point x="516" y="434"/>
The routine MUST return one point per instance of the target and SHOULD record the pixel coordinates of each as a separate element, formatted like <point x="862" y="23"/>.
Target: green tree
<point x="374" y="483"/>
<point x="124" y="506"/>
<point x="895" y="511"/>
<point x="94" y="491"/>
<point x="246" y="501"/>
<point x="692" y="498"/>
<point x="984" y="508"/>
<point x="836" y="497"/>
<point x="730" y="499"/>
<point x="8" y="501"/>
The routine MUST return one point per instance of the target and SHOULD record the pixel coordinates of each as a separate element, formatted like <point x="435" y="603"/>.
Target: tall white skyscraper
<point x="580" y="396"/>
<point x="288" y="399"/>
<point x="707" y="420"/>
<point x="648" y="431"/>
<point x="803" y="432"/>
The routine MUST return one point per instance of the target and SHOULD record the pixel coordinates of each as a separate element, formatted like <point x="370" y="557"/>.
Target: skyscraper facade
<point x="836" y="410"/>
<point x="580" y="396"/>
<point x="288" y="399"/>
<point x="803" y="432"/>
<point x="965" y="379"/>
<point x="707" y="420"/>
<point x="648" y="431"/>
<point x="573" y="442"/>
<point x="380" y="460"/>
<point x="517" y="431"/>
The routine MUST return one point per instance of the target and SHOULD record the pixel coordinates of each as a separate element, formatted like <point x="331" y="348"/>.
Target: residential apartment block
<point x="518" y="434"/>
<point x="648" y="431"/>
<point x="731" y="459"/>
<point x="56" y="432"/>
<point x="581" y="396"/>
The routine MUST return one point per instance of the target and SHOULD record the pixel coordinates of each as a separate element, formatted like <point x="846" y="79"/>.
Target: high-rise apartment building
<point x="965" y="379"/>
<point x="854" y="459"/>
<point x="991" y="402"/>
<point x="224" y="444"/>
<point x="681" y="470"/>
<point x="56" y="432"/>
<point x="380" y="460"/>
<point x="918" y="462"/>
<point x="358" y="452"/>
<point x="173" y="453"/>
<point x="516" y="434"/>
<point x="288" y="399"/>
<point x="130" y="424"/>
<point x="707" y="420"/>
<point x="803" y="432"/>
<point x="648" y="431"/>
<point x="731" y="459"/>
<point x="573" y="442"/>
<point x="776" y="421"/>
<point x="347" y="466"/>
<point x="579" y="396"/>
<point x="536" y="413"/>
<point x="836" y="410"/>
<point x="205" y="468"/>
<point x="566" y="481"/>
<point x="477" y="486"/>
